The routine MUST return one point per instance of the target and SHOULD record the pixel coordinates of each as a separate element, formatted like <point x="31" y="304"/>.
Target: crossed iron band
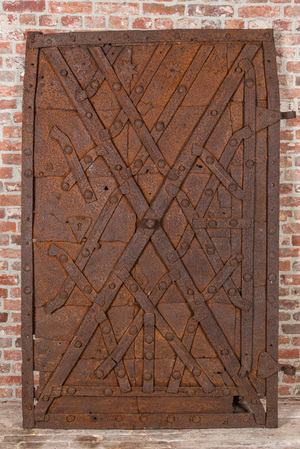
<point x="150" y="216"/>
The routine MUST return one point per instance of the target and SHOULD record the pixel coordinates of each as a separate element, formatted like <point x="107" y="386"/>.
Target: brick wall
<point x="16" y="17"/>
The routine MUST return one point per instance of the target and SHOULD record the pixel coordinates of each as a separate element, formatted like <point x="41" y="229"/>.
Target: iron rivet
<point x="27" y="268"/>
<point x="211" y="250"/>
<point x="149" y="355"/>
<point x="226" y="392"/>
<point x="100" y="374"/>
<point x="150" y="223"/>
<point x="169" y="336"/>
<point x="65" y="186"/>
<point x="118" y="418"/>
<point x="149" y="339"/>
<point x="112" y="286"/>
<point x="64" y="294"/>
<point x="190" y="292"/>
<point x="197" y="300"/>
<point x="182" y="89"/>
<point x="249" y="163"/>
<point x="71" y="390"/>
<point x="106" y="329"/>
<point x="234" y="263"/>
<point x="162" y="286"/>
<point x="171" y="418"/>
<point x="117" y="86"/>
<point x="161" y="163"/>
<point x="249" y="83"/>
<point x="121" y="373"/>
<point x="88" y="194"/>
<point x="133" y="330"/>
<point x="177" y="35"/>
<point x="233" y="142"/>
<point x="209" y="160"/>
<point x="27" y="151"/>
<point x="68" y="149"/>
<point x="196" y="419"/>
<point x="78" y="344"/>
<point x="29" y="128"/>
<point x="143" y="418"/>
<point x="89" y="115"/>
<point x="88" y="159"/>
<point x="196" y="372"/>
<point x="267" y="35"/>
<point x="185" y="246"/>
<point x="113" y="199"/>
<point x="97" y="246"/>
<point x="27" y="173"/>
<point x="134" y="287"/>
<point x="87" y="289"/>
<point x="118" y="167"/>
<point x="246" y="418"/>
<point x="176" y="375"/>
<point x="138" y="123"/>
<point x="181" y="168"/>
<point x="214" y="113"/>
<point x="85" y="252"/>
<point x="138" y="163"/>
<point x="191" y="328"/>
<point x="247" y="277"/>
<point x="46" y="398"/>
<point x="224" y="352"/>
<point x="108" y="392"/>
<point x="49" y="41"/>
<point x="41" y="173"/>
<point x="185" y="203"/>
<point x="272" y="255"/>
<point x="118" y="124"/>
<point x="126" y="36"/>
<point x="63" y="258"/>
<point x="212" y="289"/>
<point x="64" y="72"/>
<point x="239" y="257"/>
<point x="94" y="84"/>
<point x="209" y="192"/>
<point x="212" y="224"/>
<point x="272" y="277"/>
<point x="232" y="292"/>
<point x="238" y="70"/>
<point x="232" y="187"/>
<point x="147" y="376"/>
<point x="48" y="167"/>
<point x="228" y="36"/>
<point x="272" y="231"/>
<point x="190" y="392"/>
<point x="139" y="89"/>
<point x="159" y="126"/>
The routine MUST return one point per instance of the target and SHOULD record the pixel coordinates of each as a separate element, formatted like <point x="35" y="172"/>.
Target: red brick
<point x="296" y="316"/>
<point x="27" y="19"/>
<point x="14" y="354"/>
<point x="284" y="391"/>
<point x="48" y="21"/>
<point x="287" y="201"/>
<point x="3" y="293"/>
<point x="8" y="20"/>
<point x="14" y="213"/>
<point x="16" y="34"/>
<point x="10" y="253"/>
<point x="16" y="266"/>
<point x="292" y="11"/>
<point x="286" y="134"/>
<point x="12" y="132"/>
<point x="286" y="52"/>
<point x="10" y="91"/>
<point x="290" y="94"/>
<point x="3" y="263"/>
<point x="288" y="353"/>
<point x="8" y="145"/>
<point x="235" y="24"/>
<point x="2" y="213"/>
<point x="10" y="380"/>
<point x="286" y="189"/>
<point x="6" y="226"/>
<point x="10" y="304"/>
<point x="291" y="228"/>
<point x="290" y="147"/>
<point x="15" y="317"/>
<point x="296" y="341"/>
<point x="11" y="159"/>
<point x="5" y="342"/>
<point x="17" y="368"/>
<point x="6" y="279"/>
<point x="291" y="279"/>
<point x="3" y="317"/>
<point x="283" y="316"/>
<point x="5" y="393"/>
<point x="162" y="10"/>
<point x="282" y="25"/>
<point x="210" y="24"/>
<point x="118" y="23"/>
<point x="187" y="23"/>
<point x="24" y="5"/>
<point x="70" y="7"/>
<point x="13" y="186"/>
<point x="293" y="67"/>
<point x="284" y="265"/>
<point x="288" y="304"/>
<point x="142" y="23"/>
<point x="284" y="214"/>
<point x="163" y="24"/>
<point x="5" y="48"/>
<point x="11" y="330"/>
<point x="127" y="9"/>
<point x="4" y="116"/>
<point x="291" y="328"/>
<point x="296" y="240"/>
<point x="259" y="11"/>
<point x="8" y="104"/>
<point x="95" y="22"/>
<point x="17" y="62"/>
<point x="71" y="21"/>
<point x="15" y="292"/>
<point x="210" y="11"/>
<point x="17" y="117"/>
<point x="283" y="340"/>
<point x="6" y="173"/>
<point x="7" y="76"/>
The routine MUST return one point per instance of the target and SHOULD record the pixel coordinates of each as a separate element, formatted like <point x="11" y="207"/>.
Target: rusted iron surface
<point x="150" y="163"/>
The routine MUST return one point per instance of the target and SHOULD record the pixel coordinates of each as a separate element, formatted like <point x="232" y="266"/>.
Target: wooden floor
<point x="287" y="436"/>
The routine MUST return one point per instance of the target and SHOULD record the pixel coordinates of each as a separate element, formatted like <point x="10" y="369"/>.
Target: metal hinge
<point x="267" y="366"/>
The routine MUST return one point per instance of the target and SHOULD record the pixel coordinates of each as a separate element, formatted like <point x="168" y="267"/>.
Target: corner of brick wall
<point x="17" y="17"/>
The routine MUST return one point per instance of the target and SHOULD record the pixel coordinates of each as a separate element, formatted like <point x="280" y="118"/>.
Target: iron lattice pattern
<point x="150" y="233"/>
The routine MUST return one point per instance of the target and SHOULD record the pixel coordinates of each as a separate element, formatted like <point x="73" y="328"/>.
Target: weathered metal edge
<point x="273" y="232"/>
<point x="27" y="287"/>
<point x="37" y="39"/>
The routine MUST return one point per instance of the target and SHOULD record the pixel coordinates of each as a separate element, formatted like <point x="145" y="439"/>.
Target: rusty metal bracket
<point x="288" y="115"/>
<point x="267" y="366"/>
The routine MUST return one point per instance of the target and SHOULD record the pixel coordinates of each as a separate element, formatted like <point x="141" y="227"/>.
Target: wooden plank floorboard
<point x="287" y="436"/>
